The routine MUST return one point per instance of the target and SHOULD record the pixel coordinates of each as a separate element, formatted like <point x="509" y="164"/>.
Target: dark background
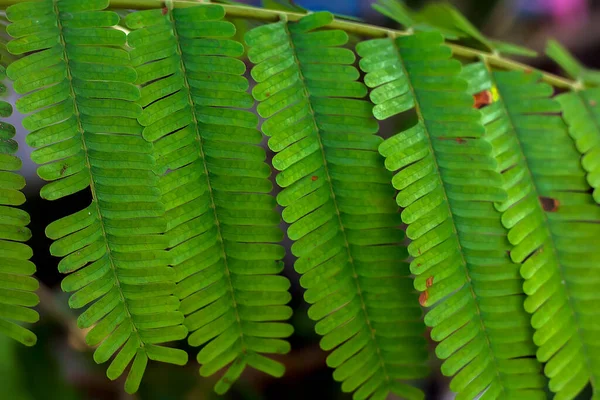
<point x="60" y="366"/>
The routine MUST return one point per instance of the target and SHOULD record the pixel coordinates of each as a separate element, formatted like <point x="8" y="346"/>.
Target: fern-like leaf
<point x="17" y="286"/>
<point x="77" y="87"/>
<point x="552" y="221"/>
<point x="447" y="180"/>
<point x="581" y="111"/>
<point x="337" y="199"/>
<point x="223" y="227"/>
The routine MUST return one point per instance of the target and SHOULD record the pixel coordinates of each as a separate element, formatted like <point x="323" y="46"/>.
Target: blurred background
<point x="61" y="367"/>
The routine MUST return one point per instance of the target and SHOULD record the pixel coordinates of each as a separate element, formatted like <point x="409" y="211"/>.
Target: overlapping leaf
<point x="17" y="286"/>
<point x="447" y="181"/>
<point x="581" y="111"/>
<point x="77" y="89"/>
<point x="552" y="221"/>
<point x="222" y="223"/>
<point x="337" y="199"/>
<point x="201" y="238"/>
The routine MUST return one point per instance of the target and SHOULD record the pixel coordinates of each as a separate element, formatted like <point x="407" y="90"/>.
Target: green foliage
<point x="182" y="235"/>
<point x="581" y="110"/>
<point x="78" y="89"/>
<point x="409" y="19"/>
<point x="447" y="181"/>
<point x="17" y="286"/>
<point x="339" y="205"/>
<point x="222" y="226"/>
<point x="283" y="5"/>
<point x="552" y="223"/>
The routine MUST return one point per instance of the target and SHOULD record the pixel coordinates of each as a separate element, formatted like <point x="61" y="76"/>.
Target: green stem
<point x="357" y="28"/>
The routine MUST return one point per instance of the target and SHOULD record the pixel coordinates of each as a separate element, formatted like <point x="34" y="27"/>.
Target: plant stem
<point x="496" y="60"/>
<point x="357" y="28"/>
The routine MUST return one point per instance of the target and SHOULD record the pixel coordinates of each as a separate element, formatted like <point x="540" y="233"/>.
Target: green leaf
<point x="581" y="112"/>
<point x="83" y="122"/>
<point x="495" y="181"/>
<point x="17" y="286"/>
<point x="550" y="217"/>
<point x="512" y="49"/>
<point x="396" y="10"/>
<point x="136" y="373"/>
<point x="337" y="202"/>
<point x="283" y="5"/>
<point x="564" y="59"/>
<point x="571" y="65"/>
<point x="399" y="12"/>
<point x="447" y="181"/>
<point x="446" y="16"/>
<point x="222" y="227"/>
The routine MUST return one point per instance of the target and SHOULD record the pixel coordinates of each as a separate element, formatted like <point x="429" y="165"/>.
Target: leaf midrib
<point x="451" y="215"/>
<point x="87" y="164"/>
<point x="549" y="235"/>
<point x="363" y="304"/>
<point x="213" y="206"/>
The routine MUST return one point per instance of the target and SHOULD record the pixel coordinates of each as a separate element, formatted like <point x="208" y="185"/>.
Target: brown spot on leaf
<point x="429" y="282"/>
<point x="528" y="70"/>
<point x="63" y="169"/>
<point x="456" y="139"/>
<point x="549" y="204"/>
<point x="268" y="94"/>
<point x="314" y="178"/>
<point x="593" y="103"/>
<point x="482" y="99"/>
<point x="165" y="10"/>
<point x="423" y="298"/>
